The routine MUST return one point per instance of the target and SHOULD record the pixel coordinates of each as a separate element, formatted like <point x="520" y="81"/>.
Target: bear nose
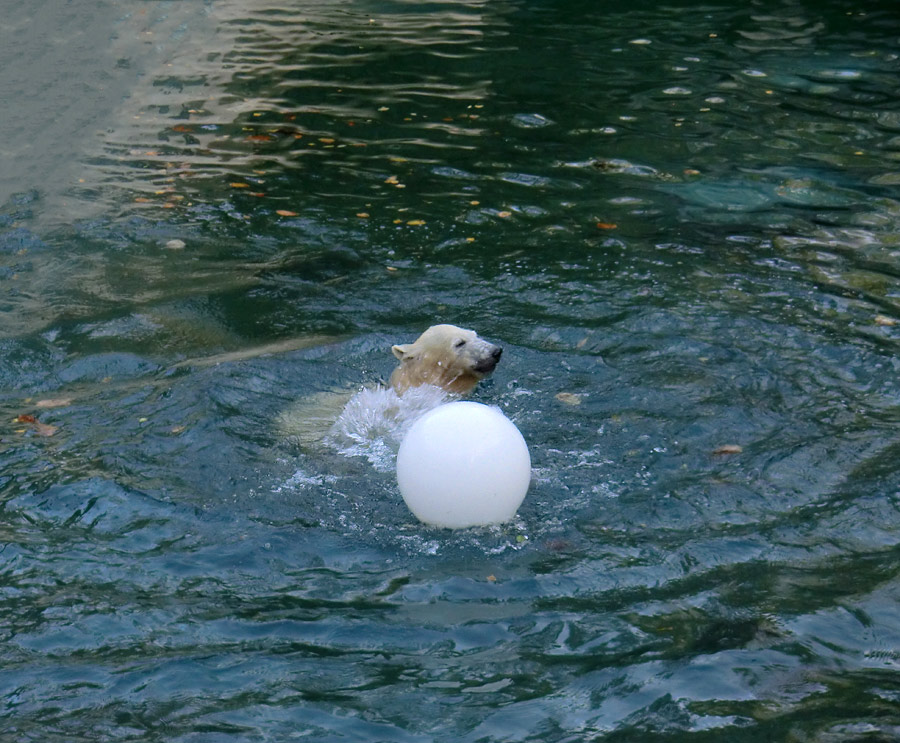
<point x="496" y="353"/>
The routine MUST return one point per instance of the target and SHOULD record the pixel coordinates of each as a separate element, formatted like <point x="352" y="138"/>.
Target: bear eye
<point x="459" y="344"/>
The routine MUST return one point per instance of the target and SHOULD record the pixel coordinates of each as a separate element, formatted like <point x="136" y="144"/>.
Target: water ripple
<point x="683" y="234"/>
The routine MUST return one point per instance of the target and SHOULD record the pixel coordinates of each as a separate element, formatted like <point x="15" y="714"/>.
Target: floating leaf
<point x="57" y="402"/>
<point x="416" y="222"/>
<point x="362" y="215"/>
<point x="259" y="138"/>
<point x="285" y="213"/>
<point x="41" y="429"/>
<point x="569" y="398"/>
<point x="238" y="184"/>
<point x="728" y="449"/>
<point x="504" y="214"/>
<point x="392" y="179"/>
<point x="607" y="225"/>
<point x="182" y="128"/>
<point x="885" y="321"/>
<point x="326" y="140"/>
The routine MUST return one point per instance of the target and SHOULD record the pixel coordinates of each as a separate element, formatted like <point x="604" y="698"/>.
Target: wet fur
<point x="445" y="356"/>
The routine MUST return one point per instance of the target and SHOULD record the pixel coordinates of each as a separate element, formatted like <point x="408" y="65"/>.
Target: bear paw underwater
<point x="445" y="356"/>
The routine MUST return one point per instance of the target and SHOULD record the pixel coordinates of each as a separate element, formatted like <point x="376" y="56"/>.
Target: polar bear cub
<point x="444" y="356"/>
<point x="445" y="361"/>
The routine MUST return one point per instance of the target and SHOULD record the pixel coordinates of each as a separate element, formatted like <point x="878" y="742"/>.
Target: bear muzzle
<point x="487" y="363"/>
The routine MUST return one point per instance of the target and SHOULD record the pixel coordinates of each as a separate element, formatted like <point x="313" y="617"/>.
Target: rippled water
<point x="681" y="222"/>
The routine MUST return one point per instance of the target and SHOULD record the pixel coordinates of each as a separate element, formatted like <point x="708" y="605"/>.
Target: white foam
<point x="375" y="420"/>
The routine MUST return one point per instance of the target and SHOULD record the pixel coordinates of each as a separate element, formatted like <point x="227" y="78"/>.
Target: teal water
<point x="681" y="221"/>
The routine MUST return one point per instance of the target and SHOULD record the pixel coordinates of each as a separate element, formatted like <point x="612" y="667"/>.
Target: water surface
<point x="681" y="222"/>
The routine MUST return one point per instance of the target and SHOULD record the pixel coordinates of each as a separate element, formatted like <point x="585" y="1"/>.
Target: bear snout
<point x="487" y="363"/>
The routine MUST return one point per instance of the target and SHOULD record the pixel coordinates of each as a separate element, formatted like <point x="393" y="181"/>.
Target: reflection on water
<point x="680" y="221"/>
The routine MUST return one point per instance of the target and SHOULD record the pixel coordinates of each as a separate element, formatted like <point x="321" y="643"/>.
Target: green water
<point x="680" y="220"/>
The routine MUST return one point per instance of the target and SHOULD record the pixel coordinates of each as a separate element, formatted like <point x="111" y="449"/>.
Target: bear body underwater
<point x="445" y="356"/>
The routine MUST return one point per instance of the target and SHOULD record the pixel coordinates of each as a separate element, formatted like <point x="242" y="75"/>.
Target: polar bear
<point x="444" y="356"/>
<point x="445" y="362"/>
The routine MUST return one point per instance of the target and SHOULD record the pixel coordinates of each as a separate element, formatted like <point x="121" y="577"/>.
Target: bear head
<point x="445" y="356"/>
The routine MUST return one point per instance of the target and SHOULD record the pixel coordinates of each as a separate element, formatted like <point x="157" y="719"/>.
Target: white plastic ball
<point x="463" y="464"/>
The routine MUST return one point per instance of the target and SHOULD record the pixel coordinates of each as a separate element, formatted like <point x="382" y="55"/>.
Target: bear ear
<point x="400" y="351"/>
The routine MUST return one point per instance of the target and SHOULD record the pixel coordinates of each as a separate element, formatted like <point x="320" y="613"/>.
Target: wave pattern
<point x="680" y="222"/>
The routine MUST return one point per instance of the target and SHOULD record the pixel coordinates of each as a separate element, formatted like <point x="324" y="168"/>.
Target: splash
<point x="374" y="421"/>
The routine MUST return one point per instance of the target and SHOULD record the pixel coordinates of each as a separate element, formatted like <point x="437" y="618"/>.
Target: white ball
<point x="463" y="464"/>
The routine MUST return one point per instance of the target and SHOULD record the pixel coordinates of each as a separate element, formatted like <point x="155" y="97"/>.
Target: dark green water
<point x="683" y="216"/>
